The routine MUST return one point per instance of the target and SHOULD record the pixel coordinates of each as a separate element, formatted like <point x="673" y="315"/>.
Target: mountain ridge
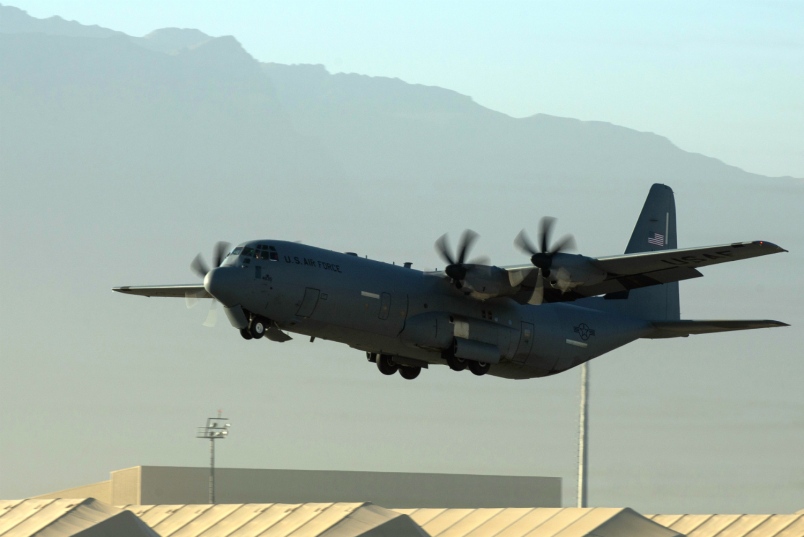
<point x="419" y="130"/>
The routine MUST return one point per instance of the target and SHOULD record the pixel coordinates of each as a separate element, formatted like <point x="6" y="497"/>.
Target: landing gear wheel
<point x="386" y="364"/>
<point x="258" y="327"/>
<point x="479" y="368"/>
<point x="455" y="363"/>
<point x="245" y="333"/>
<point x="409" y="372"/>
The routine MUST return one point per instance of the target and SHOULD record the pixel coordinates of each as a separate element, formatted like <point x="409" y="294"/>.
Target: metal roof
<point x="276" y="520"/>
<point x="537" y="522"/>
<point x="734" y="525"/>
<point x="62" y="518"/>
<point x="66" y="517"/>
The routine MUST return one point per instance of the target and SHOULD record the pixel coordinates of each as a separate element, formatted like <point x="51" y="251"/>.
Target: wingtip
<point x="768" y="244"/>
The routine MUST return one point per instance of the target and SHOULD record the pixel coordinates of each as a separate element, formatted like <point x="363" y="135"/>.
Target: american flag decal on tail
<point x="656" y="239"/>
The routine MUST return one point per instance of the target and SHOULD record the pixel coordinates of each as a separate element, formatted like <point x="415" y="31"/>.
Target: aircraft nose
<point x="221" y="283"/>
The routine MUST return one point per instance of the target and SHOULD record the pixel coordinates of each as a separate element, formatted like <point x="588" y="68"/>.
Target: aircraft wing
<point x="181" y="291"/>
<point x="666" y="329"/>
<point x="644" y="262"/>
<point x="643" y="269"/>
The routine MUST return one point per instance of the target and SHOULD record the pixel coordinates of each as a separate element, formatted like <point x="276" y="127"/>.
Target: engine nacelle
<point x="568" y="271"/>
<point x="484" y="282"/>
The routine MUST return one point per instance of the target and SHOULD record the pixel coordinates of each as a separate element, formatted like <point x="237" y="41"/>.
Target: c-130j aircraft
<point x="516" y="322"/>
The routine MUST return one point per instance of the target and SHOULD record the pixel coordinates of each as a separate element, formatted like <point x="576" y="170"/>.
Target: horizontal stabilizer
<point x="178" y="291"/>
<point x="665" y="329"/>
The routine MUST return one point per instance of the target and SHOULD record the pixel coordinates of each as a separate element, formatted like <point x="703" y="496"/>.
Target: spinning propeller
<point x="200" y="267"/>
<point x="457" y="267"/>
<point x="543" y="257"/>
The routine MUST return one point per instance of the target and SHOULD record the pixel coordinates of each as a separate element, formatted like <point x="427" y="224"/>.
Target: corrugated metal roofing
<point x="276" y="520"/>
<point x="735" y="525"/>
<point x="63" y="517"/>
<point x="538" y="522"/>
<point x="66" y="517"/>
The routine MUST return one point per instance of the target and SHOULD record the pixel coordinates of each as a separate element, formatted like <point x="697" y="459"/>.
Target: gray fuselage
<point x="413" y="315"/>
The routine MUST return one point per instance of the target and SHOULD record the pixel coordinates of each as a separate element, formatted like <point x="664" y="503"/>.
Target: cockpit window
<point x="266" y="252"/>
<point x="248" y="252"/>
<point x="236" y="251"/>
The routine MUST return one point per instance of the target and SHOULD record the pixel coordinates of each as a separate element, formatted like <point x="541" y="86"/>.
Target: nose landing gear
<point x="256" y="328"/>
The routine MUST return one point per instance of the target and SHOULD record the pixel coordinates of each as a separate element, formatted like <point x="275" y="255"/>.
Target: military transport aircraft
<point x="530" y="320"/>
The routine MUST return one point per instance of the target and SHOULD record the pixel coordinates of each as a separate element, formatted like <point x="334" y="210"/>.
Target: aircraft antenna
<point x="215" y="429"/>
<point x="583" y="455"/>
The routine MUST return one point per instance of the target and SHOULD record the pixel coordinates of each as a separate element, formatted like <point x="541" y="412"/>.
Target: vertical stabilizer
<point x="655" y="230"/>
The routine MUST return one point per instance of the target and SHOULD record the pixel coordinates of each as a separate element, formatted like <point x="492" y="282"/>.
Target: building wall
<point x="169" y="485"/>
<point x="159" y="485"/>
<point x="100" y="491"/>
<point x="127" y="486"/>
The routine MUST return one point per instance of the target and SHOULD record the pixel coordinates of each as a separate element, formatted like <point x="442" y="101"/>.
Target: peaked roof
<point x="61" y="518"/>
<point x="734" y="525"/>
<point x="91" y="518"/>
<point x="276" y="520"/>
<point x="538" y="522"/>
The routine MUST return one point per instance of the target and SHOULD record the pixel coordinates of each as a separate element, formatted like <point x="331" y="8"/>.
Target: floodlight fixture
<point x="214" y="430"/>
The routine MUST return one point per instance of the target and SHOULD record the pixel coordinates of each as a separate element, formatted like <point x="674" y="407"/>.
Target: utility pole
<point x="215" y="429"/>
<point x="583" y="456"/>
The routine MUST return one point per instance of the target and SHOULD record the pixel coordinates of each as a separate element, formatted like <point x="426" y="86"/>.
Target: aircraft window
<point x="237" y="250"/>
<point x="248" y="252"/>
<point x="273" y="255"/>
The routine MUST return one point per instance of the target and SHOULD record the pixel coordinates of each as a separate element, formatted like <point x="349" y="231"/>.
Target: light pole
<point x="583" y="457"/>
<point x="215" y="429"/>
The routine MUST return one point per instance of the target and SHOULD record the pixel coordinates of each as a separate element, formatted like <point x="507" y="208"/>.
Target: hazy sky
<point x="721" y="78"/>
<point x="93" y="381"/>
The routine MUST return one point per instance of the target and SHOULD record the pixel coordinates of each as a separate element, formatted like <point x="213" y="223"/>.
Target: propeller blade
<point x="467" y="240"/>
<point x="567" y="242"/>
<point x="543" y="258"/>
<point x="221" y="249"/>
<point x="212" y="315"/>
<point x="545" y="230"/>
<point x="481" y="260"/>
<point x="523" y="243"/>
<point x="199" y="267"/>
<point x="516" y="277"/>
<point x="190" y="300"/>
<point x="538" y="292"/>
<point x="456" y="269"/>
<point x="442" y="247"/>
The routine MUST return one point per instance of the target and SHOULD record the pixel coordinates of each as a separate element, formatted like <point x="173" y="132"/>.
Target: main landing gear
<point x="459" y="364"/>
<point x="387" y="366"/>
<point x="256" y="328"/>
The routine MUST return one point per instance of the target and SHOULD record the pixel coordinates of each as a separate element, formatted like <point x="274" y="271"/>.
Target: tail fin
<point x="655" y="230"/>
